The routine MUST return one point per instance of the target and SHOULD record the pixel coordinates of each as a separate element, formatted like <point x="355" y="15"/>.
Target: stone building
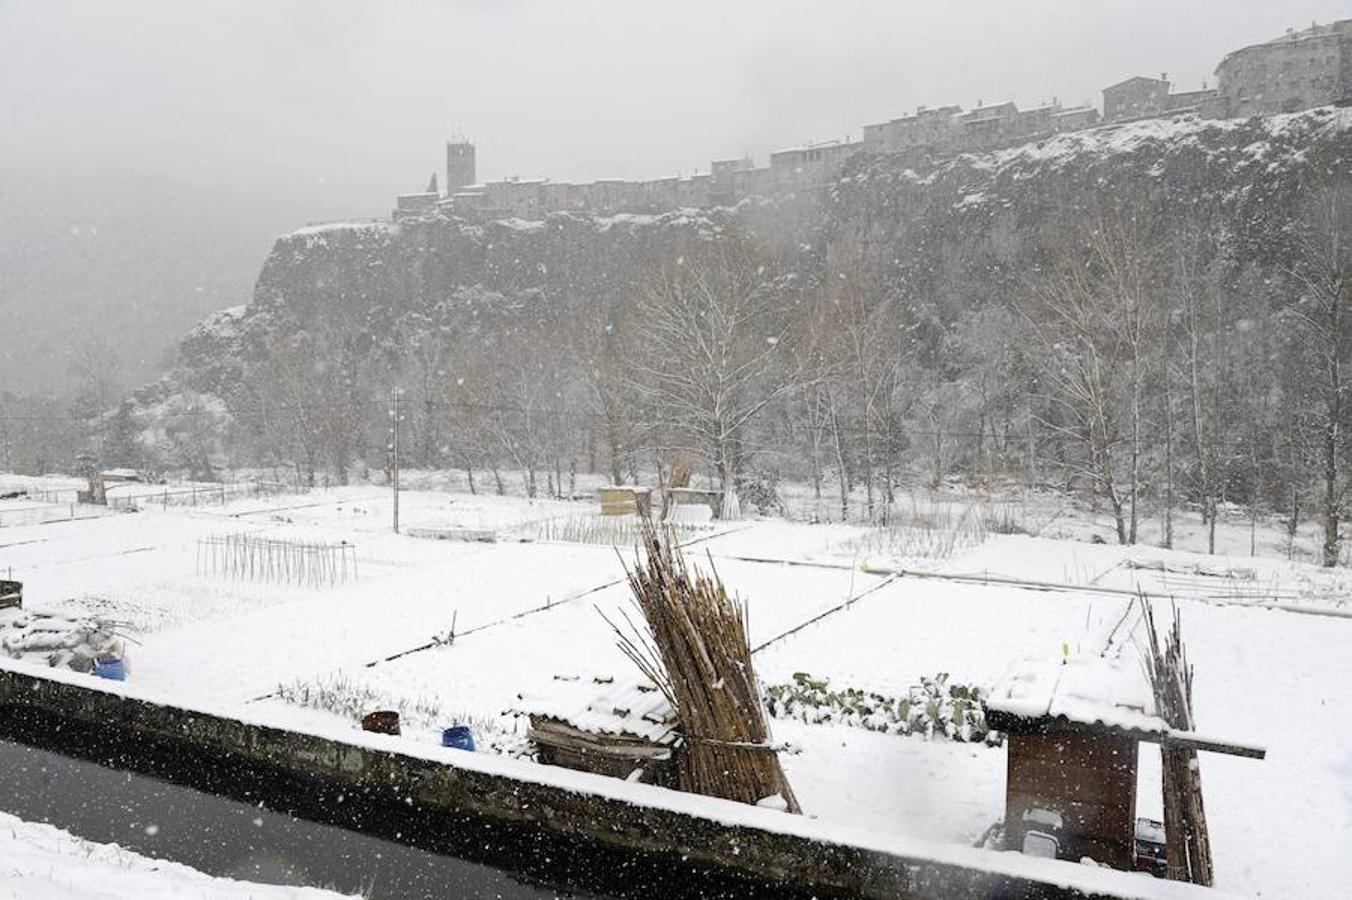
<point x="723" y="178"/>
<point x="809" y="164"/>
<point x="1296" y="71"/>
<point x="988" y="126"/>
<point x="459" y="166"/>
<point x="1075" y="118"/>
<point x="1205" y="102"/>
<point x="1138" y="97"/>
<point x="927" y="129"/>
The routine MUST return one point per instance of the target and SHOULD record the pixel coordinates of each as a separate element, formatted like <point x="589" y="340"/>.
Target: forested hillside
<point x="1152" y="314"/>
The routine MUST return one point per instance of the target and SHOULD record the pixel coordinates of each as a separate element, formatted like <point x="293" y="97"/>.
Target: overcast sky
<point x="151" y="151"/>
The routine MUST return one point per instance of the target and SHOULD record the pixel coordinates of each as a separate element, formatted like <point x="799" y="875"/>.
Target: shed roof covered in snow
<point x="1091" y="693"/>
<point x="604" y="706"/>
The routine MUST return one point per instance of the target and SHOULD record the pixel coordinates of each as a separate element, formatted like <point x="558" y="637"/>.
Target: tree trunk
<point x="1168" y="464"/>
<point x="840" y="466"/>
<point x="1135" y="438"/>
<point x="1332" y="423"/>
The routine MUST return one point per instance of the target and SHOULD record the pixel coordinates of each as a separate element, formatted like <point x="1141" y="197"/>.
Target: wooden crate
<point x="559" y="743"/>
<point x="11" y="594"/>
<point x="623" y="500"/>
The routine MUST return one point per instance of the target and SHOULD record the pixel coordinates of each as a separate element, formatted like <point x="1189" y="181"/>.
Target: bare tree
<point x="1081" y="360"/>
<point x="1124" y="252"/>
<point x="1320" y="310"/>
<point x="1198" y="287"/>
<point x="96" y="367"/>
<point x="864" y="342"/>
<point x="715" y="329"/>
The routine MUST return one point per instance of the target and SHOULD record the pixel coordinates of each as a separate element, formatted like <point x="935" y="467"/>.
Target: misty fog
<point x="150" y="152"/>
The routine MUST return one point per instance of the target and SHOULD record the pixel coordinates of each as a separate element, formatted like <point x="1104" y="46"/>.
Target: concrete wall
<point x="66" y="710"/>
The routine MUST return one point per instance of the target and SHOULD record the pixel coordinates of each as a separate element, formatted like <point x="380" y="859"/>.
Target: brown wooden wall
<point x="1089" y="777"/>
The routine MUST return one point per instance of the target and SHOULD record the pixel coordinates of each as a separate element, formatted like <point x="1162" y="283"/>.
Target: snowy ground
<point x="1269" y="638"/>
<point x="39" y="862"/>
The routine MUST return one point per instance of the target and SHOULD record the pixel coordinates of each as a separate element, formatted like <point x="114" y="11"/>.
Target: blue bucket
<point x="458" y="736"/>
<point x="112" y="669"/>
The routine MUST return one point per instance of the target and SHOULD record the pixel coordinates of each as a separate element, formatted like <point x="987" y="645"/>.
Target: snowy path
<point x="39" y="862"/>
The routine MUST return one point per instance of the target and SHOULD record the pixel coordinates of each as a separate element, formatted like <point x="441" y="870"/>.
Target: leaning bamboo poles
<point x="696" y="651"/>
<point x="1187" y="843"/>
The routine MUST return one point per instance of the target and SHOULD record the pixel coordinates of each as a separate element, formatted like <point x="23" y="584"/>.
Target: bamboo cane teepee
<point x="695" y="649"/>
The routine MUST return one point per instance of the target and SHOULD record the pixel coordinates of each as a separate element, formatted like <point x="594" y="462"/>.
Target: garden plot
<point x="1267" y="676"/>
<point x="526" y="612"/>
<point x="367" y="509"/>
<point x="18" y="512"/>
<point x="482" y="673"/>
<point x="144" y="569"/>
<point x="1236" y="578"/>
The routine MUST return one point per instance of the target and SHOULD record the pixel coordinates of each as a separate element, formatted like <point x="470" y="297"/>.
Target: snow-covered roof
<point x="1088" y="691"/>
<point x="814" y="145"/>
<point x="1333" y="31"/>
<point x="1134" y="79"/>
<point x="1109" y="693"/>
<point x="121" y="473"/>
<point x="604" y="706"/>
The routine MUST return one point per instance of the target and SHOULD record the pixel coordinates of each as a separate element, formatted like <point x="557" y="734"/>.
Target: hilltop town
<point x="1298" y="70"/>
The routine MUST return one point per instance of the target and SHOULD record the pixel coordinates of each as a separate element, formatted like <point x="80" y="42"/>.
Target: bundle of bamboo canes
<point x="1187" y="843"/>
<point x="695" y="649"/>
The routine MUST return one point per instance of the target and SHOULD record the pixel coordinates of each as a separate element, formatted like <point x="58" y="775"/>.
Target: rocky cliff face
<point x="950" y="236"/>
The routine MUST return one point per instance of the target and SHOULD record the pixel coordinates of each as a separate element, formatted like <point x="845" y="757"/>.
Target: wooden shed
<point x="1074" y="732"/>
<point x="593" y="724"/>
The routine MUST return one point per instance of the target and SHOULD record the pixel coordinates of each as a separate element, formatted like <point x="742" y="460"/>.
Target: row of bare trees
<point x="1150" y="361"/>
<point x="1177" y="369"/>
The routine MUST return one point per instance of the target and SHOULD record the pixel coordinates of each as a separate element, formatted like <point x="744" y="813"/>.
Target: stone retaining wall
<point x="69" y="717"/>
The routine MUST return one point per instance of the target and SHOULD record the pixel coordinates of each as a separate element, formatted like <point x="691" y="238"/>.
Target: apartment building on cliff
<point x="1296" y="71"/>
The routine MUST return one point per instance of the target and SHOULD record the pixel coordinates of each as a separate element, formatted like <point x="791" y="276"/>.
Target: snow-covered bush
<point x="616" y="531"/>
<point x="351" y="699"/>
<point x="934" y="707"/>
<point x="760" y="488"/>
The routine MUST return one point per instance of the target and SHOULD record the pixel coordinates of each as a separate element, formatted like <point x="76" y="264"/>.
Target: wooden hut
<point x="1074" y="729"/>
<point x="624" y="730"/>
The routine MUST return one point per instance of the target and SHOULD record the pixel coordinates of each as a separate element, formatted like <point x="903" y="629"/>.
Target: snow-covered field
<point x="39" y="862"/>
<point x="1270" y="639"/>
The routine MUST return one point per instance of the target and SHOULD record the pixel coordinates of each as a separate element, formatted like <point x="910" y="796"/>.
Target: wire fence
<point x="251" y="558"/>
<point x="199" y="494"/>
<point x="47" y="513"/>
